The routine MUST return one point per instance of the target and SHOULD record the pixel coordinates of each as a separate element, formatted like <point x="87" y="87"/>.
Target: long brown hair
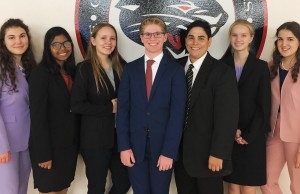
<point x="7" y="61"/>
<point x="98" y="70"/>
<point x="293" y="27"/>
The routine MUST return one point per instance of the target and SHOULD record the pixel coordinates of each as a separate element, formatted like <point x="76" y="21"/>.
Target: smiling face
<point x="63" y="53"/>
<point x="197" y="43"/>
<point x="105" y="41"/>
<point x="16" y="41"/>
<point x="153" y="45"/>
<point x="287" y="44"/>
<point x="240" y="38"/>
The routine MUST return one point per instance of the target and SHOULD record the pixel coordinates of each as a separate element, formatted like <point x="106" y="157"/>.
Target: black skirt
<point x="249" y="163"/>
<point x="62" y="173"/>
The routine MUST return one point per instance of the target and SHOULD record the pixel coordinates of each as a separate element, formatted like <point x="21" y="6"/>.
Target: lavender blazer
<point x="14" y="116"/>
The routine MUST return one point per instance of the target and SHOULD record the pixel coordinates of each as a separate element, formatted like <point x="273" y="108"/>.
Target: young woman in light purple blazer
<point x="16" y="62"/>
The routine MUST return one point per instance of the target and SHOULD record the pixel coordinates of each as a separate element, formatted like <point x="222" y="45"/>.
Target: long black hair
<point x="49" y="61"/>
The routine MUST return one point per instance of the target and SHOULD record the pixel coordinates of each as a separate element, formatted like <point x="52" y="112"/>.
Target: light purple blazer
<point x="14" y="116"/>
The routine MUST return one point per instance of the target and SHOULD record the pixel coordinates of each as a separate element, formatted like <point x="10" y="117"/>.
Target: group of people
<point x="209" y="120"/>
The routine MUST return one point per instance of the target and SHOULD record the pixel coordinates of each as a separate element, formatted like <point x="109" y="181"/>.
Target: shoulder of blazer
<point x="182" y="61"/>
<point x="214" y="63"/>
<point x="39" y="73"/>
<point x="256" y="61"/>
<point x="228" y="61"/>
<point x="84" y="65"/>
<point x="170" y="62"/>
<point x="135" y="62"/>
<point x="84" y="69"/>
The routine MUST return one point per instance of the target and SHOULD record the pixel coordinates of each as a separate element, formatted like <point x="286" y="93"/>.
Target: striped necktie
<point x="189" y="81"/>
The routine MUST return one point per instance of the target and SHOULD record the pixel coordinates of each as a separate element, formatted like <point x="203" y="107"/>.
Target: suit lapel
<point x="160" y="71"/>
<point x="141" y="77"/>
<point x="109" y="91"/>
<point x="201" y="78"/>
<point x="61" y="83"/>
<point x="247" y="69"/>
<point x="117" y="82"/>
<point x="287" y="83"/>
<point x="22" y="82"/>
<point x="276" y="91"/>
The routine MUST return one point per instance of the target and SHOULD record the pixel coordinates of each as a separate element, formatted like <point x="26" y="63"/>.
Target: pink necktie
<point x="149" y="77"/>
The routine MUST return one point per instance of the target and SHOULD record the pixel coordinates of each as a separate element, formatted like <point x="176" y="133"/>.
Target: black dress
<point x="249" y="161"/>
<point x="54" y="131"/>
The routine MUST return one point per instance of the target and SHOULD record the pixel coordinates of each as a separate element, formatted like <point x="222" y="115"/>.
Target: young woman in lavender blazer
<point x="16" y="62"/>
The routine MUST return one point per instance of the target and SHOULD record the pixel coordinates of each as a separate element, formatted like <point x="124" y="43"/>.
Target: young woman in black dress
<point x="249" y="150"/>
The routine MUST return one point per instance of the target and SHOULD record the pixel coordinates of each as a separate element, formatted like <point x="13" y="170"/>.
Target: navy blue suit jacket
<point x="162" y="115"/>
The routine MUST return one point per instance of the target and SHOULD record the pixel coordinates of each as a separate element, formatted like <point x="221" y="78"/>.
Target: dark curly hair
<point x="293" y="27"/>
<point x="7" y="60"/>
<point x="49" y="61"/>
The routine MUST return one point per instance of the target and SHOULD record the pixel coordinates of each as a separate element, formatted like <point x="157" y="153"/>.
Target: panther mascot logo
<point x="126" y="16"/>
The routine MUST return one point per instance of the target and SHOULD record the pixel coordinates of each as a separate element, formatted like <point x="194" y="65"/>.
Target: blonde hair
<point x="243" y="23"/>
<point x="98" y="70"/>
<point x="153" y="20"/>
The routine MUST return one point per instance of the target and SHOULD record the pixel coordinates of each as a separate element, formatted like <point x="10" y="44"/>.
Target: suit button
<point x="148" y="113"/>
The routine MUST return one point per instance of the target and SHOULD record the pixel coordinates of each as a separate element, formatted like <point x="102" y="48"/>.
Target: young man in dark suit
<point x="211" y="117"/>
<point x="151" y="106"/>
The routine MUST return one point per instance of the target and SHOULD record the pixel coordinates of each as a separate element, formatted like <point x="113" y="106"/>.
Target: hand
<point x="215" y="164"/>
<point x="46" y="165"/>
<point x="164" y="163"/>
<point x="4" y="158"/>
<point x="297" y="160"/>
<point x="239" y="139"/>
<point x="127" y="158"/>
<point x="115" y="104"/>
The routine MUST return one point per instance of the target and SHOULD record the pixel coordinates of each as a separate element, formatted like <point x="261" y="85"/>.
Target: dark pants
<point x="97" y="163"/>
<point x="190" y="185"/>
<point x="146" y="178"/>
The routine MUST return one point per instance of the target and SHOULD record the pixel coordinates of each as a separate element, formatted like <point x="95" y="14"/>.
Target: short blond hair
<point x="153" y="20"/>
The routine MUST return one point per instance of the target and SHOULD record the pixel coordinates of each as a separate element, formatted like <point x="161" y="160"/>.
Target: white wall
<point x="40" y="15"/>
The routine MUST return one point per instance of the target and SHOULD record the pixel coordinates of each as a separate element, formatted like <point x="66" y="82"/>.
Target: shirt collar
<point x="157" y="59"/>
<point x="197" y="64"/>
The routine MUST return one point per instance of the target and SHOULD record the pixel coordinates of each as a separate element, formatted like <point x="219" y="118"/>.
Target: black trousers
<point x="190" y="185"/>
<point x="97" y="163"/>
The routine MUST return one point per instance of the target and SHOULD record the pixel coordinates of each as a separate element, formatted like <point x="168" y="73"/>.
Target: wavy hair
<point x="92" y="56"/>
<point x="49" y="61"/>
<point x="293" y="27"/>
<point x="8" y="75"/>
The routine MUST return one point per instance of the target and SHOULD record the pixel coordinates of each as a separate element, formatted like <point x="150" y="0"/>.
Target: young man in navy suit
<point x="151" y="109"/>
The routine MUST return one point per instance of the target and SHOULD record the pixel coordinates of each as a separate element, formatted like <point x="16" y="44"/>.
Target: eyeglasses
<point x="57" y="45"/>
<point x="148" y="35"/>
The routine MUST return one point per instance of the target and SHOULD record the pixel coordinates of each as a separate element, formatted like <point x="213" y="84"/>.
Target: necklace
<point x="289" y="64"/>
<point x="284" y="68"/>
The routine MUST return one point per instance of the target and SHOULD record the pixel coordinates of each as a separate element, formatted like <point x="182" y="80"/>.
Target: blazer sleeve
<point x="260" y="122"/>
<point x="79" y="97"/>
<point x="177" y="115"/>
<point x="4" y="143"/>
<point x="40" y="140"/>
<point x="123" y="112"/>
<point x="226" y="113"/>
